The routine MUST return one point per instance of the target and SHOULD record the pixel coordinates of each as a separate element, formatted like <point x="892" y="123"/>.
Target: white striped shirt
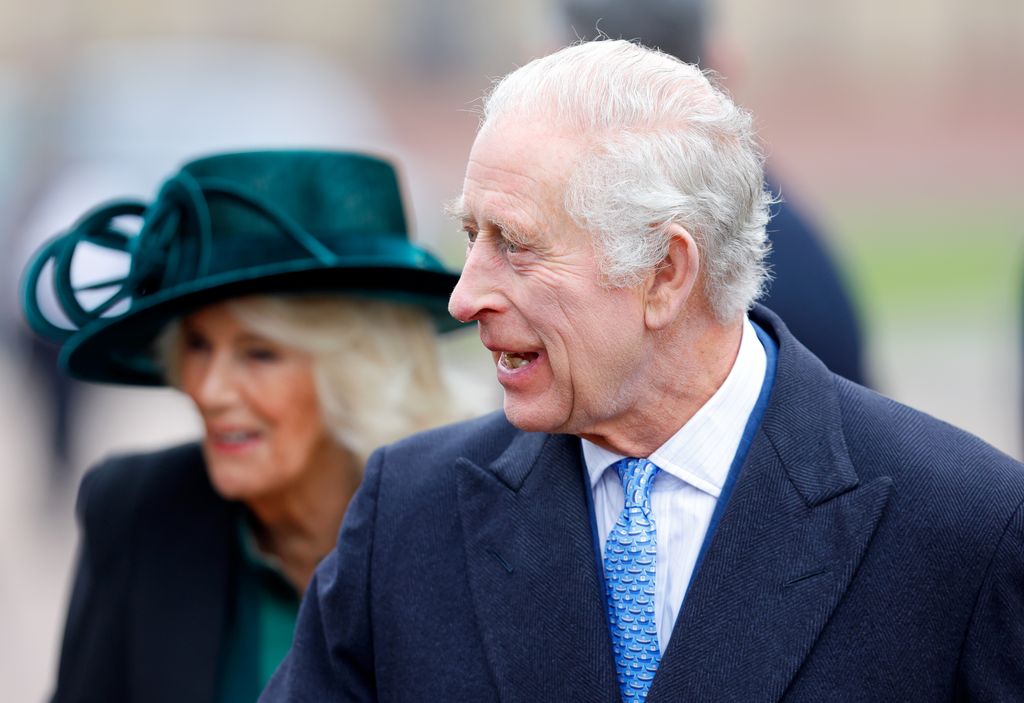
<point x="694" y="464"/>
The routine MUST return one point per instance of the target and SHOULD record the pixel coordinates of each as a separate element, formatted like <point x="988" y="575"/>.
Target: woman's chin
<point x="235" y="480"/>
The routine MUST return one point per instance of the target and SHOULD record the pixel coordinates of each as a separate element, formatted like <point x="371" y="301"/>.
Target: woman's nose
<point x="218" y="384"/>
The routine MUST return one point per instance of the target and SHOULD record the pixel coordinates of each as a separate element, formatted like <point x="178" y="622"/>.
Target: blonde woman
<point x="280" y="292"/>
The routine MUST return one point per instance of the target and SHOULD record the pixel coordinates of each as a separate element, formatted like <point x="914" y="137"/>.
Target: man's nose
<point x="476" y="293"/>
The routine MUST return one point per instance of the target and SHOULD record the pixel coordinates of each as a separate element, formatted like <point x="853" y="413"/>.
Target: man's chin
<point x="530" y="418"/>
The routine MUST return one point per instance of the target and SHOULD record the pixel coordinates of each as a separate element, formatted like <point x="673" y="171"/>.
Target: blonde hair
<point x="375" y="363"/>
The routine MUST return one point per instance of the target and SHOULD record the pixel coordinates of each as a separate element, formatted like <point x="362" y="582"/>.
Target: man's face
<point x="569" y="351"/>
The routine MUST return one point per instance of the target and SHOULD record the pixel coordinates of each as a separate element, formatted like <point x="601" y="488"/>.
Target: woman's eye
<point x="195" y="342"/>
<point x="260" y="354"/>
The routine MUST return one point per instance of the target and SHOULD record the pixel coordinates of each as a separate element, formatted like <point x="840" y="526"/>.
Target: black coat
<point x="809" y="293"/>
<point x="150" y="605"/>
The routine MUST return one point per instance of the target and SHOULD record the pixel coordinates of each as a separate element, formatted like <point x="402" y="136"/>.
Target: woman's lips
<point x="233" y="441"/>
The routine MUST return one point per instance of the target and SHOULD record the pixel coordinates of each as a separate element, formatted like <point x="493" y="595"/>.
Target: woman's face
<point x="264" y="429"/>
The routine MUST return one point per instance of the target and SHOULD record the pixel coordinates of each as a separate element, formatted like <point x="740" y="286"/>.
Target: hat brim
<point x="120" y="349"/>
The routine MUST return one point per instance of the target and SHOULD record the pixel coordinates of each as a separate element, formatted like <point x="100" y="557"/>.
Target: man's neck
<point x="699" y="359"/>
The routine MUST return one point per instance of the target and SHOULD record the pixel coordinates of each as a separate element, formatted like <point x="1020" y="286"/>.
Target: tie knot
<point x="637" y="476"/>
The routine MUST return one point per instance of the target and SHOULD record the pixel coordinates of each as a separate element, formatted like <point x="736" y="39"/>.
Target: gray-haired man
<point x="679" y="502"/>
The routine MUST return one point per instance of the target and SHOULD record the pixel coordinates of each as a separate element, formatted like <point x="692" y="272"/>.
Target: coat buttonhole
<point x="501" y="560"/>
<point x="808" y="575"/>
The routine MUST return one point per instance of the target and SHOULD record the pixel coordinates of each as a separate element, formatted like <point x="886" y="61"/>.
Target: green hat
<point x="229" y="225"/>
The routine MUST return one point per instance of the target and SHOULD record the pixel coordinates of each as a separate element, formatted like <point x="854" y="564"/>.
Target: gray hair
<point x="375" y="363"/>
<point x="663" y="146"/>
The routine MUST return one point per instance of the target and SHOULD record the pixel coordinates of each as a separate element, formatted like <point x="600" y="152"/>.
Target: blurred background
<point x="897" y="128"/>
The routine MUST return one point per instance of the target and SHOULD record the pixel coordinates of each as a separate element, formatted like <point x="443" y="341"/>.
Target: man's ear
<point x="670" y="285"/>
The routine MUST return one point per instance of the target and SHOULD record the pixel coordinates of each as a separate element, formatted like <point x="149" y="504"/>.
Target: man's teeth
<point x="511" y="360"/>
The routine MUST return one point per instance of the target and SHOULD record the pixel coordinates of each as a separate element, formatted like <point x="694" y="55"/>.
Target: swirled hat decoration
<point x="225" y="226"/>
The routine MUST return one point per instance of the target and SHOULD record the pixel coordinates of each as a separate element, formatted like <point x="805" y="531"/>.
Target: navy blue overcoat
<point x="868" y="553"/>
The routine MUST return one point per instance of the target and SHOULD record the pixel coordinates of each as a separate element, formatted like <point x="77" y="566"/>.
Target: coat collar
<point x="796" y="527"/>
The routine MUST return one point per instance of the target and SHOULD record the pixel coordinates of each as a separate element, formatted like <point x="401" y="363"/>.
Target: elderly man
<point x="679" y="501"/>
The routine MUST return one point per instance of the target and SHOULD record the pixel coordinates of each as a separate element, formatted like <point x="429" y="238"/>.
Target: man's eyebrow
<point x="456" y="209"/>
<point x="511" y="231"/>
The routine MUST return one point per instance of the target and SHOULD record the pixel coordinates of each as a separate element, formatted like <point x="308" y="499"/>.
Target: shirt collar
<point x="700" y="453"/>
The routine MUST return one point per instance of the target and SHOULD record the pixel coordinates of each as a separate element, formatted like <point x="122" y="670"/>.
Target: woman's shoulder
<point x="122" y="475"/>
<point x="127" y="488"/>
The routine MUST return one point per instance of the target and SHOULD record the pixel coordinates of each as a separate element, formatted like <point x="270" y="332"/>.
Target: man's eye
<point x="470" y="236"/>
<point x="511" y="247"/>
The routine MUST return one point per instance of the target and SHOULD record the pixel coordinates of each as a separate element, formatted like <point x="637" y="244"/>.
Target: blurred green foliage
<point x="927" y="261"/>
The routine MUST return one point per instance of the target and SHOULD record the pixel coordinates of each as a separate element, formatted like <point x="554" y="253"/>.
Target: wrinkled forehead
<point x="524" y="156"/>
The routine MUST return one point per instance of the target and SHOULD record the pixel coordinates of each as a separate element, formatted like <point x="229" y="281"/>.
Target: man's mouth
<point x="516" y="360"/>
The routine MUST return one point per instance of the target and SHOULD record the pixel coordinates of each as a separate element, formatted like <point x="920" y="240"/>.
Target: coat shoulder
<point x="480" y="440"/>
<point x="423" y="469"/>
<point x="928" y="459"/>
<point x="123" y="491"/>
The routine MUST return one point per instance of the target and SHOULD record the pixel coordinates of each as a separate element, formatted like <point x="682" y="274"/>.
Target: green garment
<point x="261" y="624"/>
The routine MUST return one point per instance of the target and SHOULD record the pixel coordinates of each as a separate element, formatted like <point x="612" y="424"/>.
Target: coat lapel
<point x="531" y="568"/>
<point x="788" y="545"/>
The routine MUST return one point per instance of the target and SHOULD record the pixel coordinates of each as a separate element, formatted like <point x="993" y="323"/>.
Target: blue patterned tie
<point x="629" y="564"/>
